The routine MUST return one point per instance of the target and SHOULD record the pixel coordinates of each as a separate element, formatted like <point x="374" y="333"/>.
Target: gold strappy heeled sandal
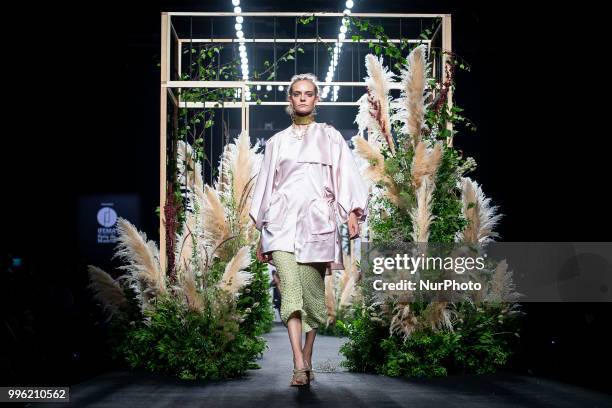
<point x="300" y="377"/>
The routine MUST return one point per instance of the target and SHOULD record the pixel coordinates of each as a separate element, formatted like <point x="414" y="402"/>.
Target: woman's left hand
<point x="353" y="225"/>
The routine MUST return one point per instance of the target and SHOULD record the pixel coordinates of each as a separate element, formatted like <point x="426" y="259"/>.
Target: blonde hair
<point x="301" y="77"/>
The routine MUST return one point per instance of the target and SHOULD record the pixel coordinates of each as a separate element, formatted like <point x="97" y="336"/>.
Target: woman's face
<point x="302" y="97"/>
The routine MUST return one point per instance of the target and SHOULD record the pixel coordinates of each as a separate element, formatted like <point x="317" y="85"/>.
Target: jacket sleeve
<point x="352" y="191"/>
<point x="260" y="188"/>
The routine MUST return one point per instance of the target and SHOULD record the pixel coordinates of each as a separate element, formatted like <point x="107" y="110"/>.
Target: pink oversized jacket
<point x="341" y="190"/>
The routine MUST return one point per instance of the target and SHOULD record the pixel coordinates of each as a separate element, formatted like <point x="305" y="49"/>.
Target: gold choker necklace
<point x="303" y="120"/>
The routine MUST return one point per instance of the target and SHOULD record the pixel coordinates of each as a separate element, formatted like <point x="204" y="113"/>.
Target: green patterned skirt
<point x="302" y="290"/>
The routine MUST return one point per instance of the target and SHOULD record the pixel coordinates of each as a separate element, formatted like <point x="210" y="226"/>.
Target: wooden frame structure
<point x="168" y="33"/>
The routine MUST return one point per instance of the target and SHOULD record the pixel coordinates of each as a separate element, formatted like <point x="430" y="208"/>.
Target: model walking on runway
<point x="308" y="185"/>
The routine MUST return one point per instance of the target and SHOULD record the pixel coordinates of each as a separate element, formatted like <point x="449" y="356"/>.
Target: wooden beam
<point x="163" y="128"/>
<point x="299" y="14"/>
<point x="300" y="40"/>
<point x="447" y="46"/>
<point x="239" y="84"/>
<point x="238" y="105"/>
<point x="243" y="106"/>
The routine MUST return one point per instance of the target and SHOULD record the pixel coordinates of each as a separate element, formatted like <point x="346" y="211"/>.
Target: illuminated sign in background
<point x="98" y="216"/>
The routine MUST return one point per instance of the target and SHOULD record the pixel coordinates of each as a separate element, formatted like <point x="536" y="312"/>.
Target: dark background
<point x="82" y="104"/>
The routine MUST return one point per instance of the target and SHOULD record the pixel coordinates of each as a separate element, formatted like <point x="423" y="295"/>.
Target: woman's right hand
<point x="262" y="257"/>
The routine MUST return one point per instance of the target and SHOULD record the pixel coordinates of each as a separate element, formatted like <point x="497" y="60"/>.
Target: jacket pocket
<point x="276" y="213"/>
<point x="321" y="225"/>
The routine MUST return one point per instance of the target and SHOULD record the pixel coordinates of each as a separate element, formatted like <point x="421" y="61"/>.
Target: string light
<point x="242" y="48"/>
<point x="336" y="53"/>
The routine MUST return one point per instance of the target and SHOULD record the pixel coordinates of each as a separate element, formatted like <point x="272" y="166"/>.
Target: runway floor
<point x="333" y="387"/>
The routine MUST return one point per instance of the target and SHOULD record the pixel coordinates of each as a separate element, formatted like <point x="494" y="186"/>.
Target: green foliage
<point x="424" y="354"/>
<point x="332" y="329"/>
<point x="362" y="351"/>
<point x="388" y="221"/>
<point x="381" y="45"/>
<point x="190" y="345"/>
<point x="488" y="334"/>
<point x="220" y="342"/>
<point x="120" y="325"/>
<point x="255" y="301"/>
<point x="215" y="273"/>
<point x="481" y="343"/>
<point x="482" y="335"/>
<point x="306" y="20"/>
<point x="337" y="328"/>
<point x="447" y="204"/>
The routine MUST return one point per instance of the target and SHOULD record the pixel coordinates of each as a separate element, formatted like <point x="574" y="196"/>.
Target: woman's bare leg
<point x="308" y="346"/>
<point x="311" y="335"/>
<point x="294" y="327"/>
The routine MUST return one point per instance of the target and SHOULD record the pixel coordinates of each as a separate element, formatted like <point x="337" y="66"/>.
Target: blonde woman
<point x="308" y="185"/>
